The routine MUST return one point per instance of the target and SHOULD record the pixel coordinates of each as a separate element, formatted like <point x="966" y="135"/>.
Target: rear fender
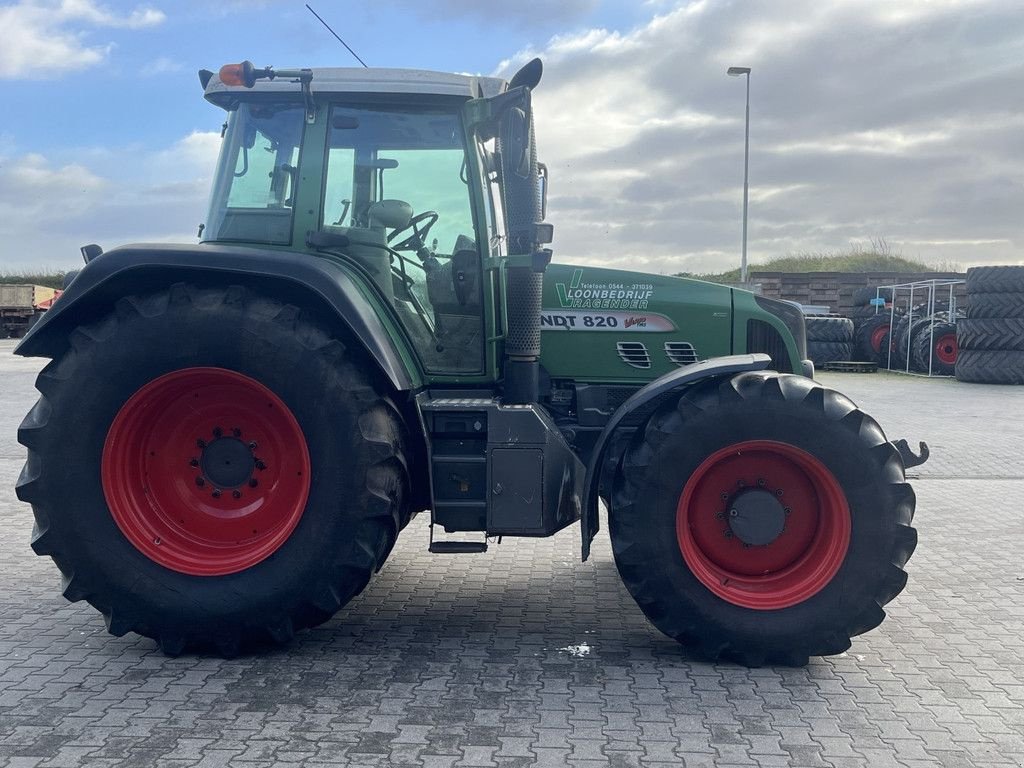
<point x="645" y="401"/>
<point x="314" y="283"/>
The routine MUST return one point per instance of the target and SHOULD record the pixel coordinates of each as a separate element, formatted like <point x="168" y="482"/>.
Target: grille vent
<point x="634" y="353"/>
<point x="681" y="352"/>
<point x="762" y="337"/>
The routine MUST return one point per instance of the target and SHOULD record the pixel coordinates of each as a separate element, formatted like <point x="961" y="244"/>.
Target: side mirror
<point x="464" y="272"/>
<point x="515" y="141"/>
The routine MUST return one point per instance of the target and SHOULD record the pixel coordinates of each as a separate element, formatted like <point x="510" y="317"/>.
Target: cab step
<point x="457" y="547"/>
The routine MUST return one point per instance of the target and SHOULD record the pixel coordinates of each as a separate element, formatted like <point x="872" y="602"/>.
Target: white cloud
<point x="865" y="122"/>
<point x="45" y="39"/>
<point x="161" y="66"/>
<point x="48" y="208"/>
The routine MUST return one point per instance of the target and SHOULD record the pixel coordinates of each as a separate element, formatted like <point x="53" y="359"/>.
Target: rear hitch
<point x="910" y="459"/>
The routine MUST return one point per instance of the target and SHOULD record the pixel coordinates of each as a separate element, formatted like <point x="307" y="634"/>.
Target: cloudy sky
<point x="893" y="119"/>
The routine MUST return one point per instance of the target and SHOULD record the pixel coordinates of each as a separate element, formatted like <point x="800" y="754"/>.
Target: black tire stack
<point x="829" y="338"/>
<point x="991" y="338"/>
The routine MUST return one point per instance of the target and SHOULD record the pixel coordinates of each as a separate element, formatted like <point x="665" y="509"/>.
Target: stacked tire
<point x="829" y="338"/>
<point x="991" y="338"/>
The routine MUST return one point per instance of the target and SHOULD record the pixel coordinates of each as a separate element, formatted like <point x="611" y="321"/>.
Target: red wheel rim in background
<point x="878" y="335"/>
<point x="796" y="565"/>
<point x="946" y="349"/>
<point x="156" y="477"/>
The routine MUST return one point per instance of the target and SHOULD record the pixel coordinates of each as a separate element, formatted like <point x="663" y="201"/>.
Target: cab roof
<point x="342" y="80"/>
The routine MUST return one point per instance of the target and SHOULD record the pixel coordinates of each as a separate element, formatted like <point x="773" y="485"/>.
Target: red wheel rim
<point x="205" y="471"/>
<point x="793" y="567"/>
<point x="946" y="349"/>
<point x="877" y="336"/>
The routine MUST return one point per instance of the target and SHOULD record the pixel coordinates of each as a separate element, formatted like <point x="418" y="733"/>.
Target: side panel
<point x="612" y="325"/>
<point x="318" y="283"/>
<point x="648" y="399"/>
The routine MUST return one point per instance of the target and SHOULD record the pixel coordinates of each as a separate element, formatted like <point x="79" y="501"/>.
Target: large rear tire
<point x="764" y="519"/>
<point x="210" y="468"/>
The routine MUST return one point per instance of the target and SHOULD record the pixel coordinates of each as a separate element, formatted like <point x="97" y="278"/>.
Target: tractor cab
<point x="391" y="173"/>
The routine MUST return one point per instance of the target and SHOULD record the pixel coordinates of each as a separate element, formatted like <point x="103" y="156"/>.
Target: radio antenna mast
<point x="336" y="35"/>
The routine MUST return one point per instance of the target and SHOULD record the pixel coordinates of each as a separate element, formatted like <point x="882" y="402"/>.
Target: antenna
<point x="336" y="35"/>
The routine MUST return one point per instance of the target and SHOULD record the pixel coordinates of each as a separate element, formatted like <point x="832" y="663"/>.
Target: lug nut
<point x="194" y="463"/>
<point x="252" y="446"/>
<point x="216" y="493"/>
<point x="200" y="443"/>
<point x="778" y="491"/>
<point x="725" y="496"/>
<point x="217" y="432"/>
<point x="200" y="482"/>
<point x="720" y="515"/>
<point x="787" y="510"/>
<point x="728" y="534"/>
<point x="760" y="483"/>
<point x="236" y="494"/>
<point x="260" y="465"/>
<point x="236" y="432"/>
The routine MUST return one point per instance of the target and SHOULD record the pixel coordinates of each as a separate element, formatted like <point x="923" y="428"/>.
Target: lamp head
<point x="737" y="71"/>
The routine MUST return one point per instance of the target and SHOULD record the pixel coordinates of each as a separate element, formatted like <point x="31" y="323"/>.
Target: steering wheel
<point x="418" y="238"/>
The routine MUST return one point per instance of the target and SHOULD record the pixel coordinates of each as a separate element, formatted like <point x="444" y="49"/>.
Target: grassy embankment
<point x="876" y="258"/>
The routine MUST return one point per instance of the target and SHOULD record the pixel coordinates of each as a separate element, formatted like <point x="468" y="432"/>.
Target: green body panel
<point x="745" y="308"/>
<point x="589" y="311"/>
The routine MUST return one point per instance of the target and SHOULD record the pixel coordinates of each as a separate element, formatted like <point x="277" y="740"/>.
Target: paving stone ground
<point x="474" y="660"/>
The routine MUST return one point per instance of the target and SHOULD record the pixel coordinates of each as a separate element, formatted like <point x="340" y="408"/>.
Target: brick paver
<point x="461" y="661"/>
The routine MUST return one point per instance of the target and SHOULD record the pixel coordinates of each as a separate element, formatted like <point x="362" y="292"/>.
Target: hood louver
<point x="634" y="353"/>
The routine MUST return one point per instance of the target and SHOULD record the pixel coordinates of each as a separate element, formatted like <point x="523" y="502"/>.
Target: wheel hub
<point x="206" y="471"/>
<point x="763" y="524"/>
<point x="227" y="463"/>
<point x="756" y="517"/>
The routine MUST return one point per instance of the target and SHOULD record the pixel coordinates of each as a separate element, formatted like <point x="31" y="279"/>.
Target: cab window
<point x="397" y="188"/>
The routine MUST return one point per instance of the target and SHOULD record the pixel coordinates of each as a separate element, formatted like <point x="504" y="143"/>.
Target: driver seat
<point x="389" y="214"/>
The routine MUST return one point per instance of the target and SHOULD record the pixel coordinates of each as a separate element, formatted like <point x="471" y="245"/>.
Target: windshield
<point x="256" y="175"/>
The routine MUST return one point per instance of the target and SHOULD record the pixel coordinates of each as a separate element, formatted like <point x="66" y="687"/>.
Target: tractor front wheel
<point x="763" y="519"/>
<point x="211" y="468"/>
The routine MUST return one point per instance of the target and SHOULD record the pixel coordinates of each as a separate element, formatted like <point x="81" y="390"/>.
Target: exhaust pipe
<point x="526" y="236"/>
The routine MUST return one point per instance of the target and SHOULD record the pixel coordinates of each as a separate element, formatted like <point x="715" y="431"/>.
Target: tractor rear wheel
<point x="210" y="468"/>
<point x="763" y="519"/>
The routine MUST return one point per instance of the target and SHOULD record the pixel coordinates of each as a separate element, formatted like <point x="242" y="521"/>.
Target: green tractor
<point x="232" y="434"/>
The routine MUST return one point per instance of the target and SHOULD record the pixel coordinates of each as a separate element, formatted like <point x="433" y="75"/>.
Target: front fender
<point x="647" y="399"/>
<point x="312" y="282"/>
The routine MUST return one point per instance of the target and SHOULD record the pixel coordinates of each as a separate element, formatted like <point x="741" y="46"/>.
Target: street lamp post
<point x="736" y="72"/>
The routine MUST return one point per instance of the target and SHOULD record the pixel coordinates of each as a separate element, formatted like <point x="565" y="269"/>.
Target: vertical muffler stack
<point x="526" y="236"/>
